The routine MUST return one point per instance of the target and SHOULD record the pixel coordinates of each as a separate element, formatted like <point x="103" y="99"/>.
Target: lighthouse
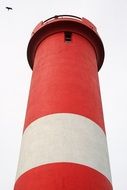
<point x="64" y="143"/>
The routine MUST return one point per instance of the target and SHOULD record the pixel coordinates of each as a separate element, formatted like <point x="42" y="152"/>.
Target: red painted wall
<point x="65" y="79"/>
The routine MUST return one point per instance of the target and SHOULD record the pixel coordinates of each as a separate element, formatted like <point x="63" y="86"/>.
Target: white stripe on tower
<point x="64" y="137"/>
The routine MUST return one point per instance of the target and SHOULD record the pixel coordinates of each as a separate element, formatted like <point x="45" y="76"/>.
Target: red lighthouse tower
<point x="64" y="142"/>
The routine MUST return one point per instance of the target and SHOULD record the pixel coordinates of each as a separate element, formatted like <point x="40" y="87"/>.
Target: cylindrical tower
<point x="64" y="142"/>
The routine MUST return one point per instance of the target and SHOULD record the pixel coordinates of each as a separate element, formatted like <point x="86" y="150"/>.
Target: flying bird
<point x="9" y="8"/>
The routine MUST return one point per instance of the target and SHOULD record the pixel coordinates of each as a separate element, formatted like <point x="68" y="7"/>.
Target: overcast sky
<point x="110" y="18"/>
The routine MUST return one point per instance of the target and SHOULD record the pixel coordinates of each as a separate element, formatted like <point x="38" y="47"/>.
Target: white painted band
<point x="64" y="137"/>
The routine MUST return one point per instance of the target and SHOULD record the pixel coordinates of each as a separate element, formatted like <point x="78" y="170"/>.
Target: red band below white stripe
<point x="62" y="176"/>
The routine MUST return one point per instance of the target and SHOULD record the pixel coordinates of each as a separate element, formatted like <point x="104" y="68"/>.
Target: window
<point x="67" y="36"/>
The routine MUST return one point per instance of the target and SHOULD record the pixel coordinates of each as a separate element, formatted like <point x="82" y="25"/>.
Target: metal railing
<point x="62" y="16"/>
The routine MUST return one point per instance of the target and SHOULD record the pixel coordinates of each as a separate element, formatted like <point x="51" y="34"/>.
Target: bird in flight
<point x="9" y="8"/>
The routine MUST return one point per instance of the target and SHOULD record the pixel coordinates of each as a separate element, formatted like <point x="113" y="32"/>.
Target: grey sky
<point x="15" y="75"/>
